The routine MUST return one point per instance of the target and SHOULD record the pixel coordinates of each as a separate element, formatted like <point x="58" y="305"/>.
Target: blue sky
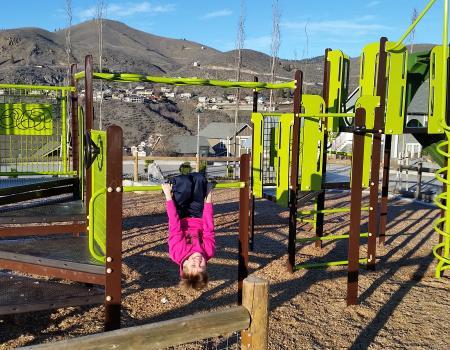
<point x="347" y="24"/>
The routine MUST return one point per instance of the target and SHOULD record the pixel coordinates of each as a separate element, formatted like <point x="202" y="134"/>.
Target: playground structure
<point x="95" y="258"/>
<point x="288" y="163"/>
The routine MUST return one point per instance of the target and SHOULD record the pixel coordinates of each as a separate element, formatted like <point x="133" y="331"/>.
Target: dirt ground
<point x="402" y="305"/>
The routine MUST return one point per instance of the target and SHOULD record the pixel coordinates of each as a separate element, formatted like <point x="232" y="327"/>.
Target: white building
<point x="134" y="99"/>
<point x="144" y="93"/>
<point x="185" y="95"/>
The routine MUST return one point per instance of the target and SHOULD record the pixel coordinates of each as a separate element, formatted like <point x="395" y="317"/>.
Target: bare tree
<point x="239" y="46"/>
<point x="101" y="12"/>
<point x="306" y="53"/>
<point x="412" y="35"/>
<point x="275" y="46"/>
<point x="68" y="33"/>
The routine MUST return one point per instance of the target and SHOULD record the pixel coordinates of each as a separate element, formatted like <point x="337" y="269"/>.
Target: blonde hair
<point x="197" y="281"/>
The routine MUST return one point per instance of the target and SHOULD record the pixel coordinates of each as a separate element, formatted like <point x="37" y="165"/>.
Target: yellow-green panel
<point x="368" y="68"/>
<point x="396" y="93"/>
<point x="26" y="119"/>
<point x="312" y="140"/>
<point x="284" y="136"/>
<point x="257" y="145"/>
<point x="436" y="101"/>
<point x="337" y="89"/>
<point x="369" y="103"/>
<point x="98" y="172"/>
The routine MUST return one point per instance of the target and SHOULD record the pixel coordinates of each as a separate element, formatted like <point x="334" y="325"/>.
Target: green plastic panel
<point x="436" y="102"/>
<point x="369" y="103"/>
<point x="311" y="144"/>
<point x="257" y="120"/>
<point x="368" y="66"/>
<point x="397" y="62"/>
<point x="98" y="172"/>
<point x="283" y="158"/>
<point x="26" y="119"/>
<point x="338" y="89"/>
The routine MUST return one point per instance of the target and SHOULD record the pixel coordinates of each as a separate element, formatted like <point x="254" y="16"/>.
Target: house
<point x="165" y="89"/>
<point x="221" y="137"/>
<point x="231" y="98"/>
<point x="169" y="94"/>
<point x="144" y="92"/>
<point x="248" y="99"/>
<point x="203" y="99"/>
<point x="136" y="150"/>
<point x="187" y="145"/>
<point x="185" y="95"/>
<point x="134" y="99"/>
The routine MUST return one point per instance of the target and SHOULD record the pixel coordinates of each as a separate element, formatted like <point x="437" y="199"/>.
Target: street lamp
<point x="198" y="110"/>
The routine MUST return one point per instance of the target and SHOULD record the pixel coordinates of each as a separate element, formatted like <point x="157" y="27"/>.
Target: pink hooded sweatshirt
<point x="190" y="235"/>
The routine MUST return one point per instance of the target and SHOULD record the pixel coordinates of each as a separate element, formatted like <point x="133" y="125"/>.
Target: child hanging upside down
<point x="191" y="227"/>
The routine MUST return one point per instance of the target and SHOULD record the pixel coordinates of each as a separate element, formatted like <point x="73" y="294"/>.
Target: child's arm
<point x="209" y="239"/>
<point x="177" y="242"/>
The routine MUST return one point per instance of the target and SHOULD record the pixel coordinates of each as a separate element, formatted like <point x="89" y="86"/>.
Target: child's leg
<point x="199" y="189"/>
<point x="182" y="194"/>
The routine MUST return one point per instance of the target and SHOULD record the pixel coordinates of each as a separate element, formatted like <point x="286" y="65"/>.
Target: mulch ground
<point x="401" y="304"/>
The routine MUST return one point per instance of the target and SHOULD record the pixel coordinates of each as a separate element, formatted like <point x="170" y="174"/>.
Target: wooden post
<point x="197" y="163"/>
<point x="113" y="265"/>
<point x="244" y="211"/>
<point x="293" y="190"/>
<point x="373" y="224"/>
<point x="385" y="189"/>
<point x="256" y="301"/>
<point x="252" y="197"/>
<point x="320" y="201"/>
<point x="75" y="131"/>
<point x="89" y="119"/>
<point x="355" y="207"/>
<point x="136" y="168"/>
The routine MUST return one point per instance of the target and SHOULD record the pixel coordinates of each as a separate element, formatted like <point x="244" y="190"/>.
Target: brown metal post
<point x="75" y="130"/>
<point x="89" y="116"/>
<point x="113" y="227"/>
<point x="320" y="201"/>
<point x="355" y="207"/>
<point x="294" y="171"/>
<point x="74" y="117"/>
<point x="252" y="197"/>
<point x="244" y="201"/>
<point x="385" y="189"/>
<point x="376" y="158"/>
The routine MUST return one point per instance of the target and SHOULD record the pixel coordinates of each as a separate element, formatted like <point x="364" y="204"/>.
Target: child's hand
<point x="209" y="189"/>
<point x="167" y="189"/>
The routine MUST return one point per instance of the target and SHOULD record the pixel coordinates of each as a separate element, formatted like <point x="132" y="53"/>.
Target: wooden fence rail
<point x="251" y="318"/>
<point x="198" y="160"/>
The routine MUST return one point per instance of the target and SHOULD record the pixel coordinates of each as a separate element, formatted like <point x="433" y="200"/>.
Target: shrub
<point x="230" y="171"/>
<point x="202" y="167"/>
<point x="185" y="168"/>
<point x="147" y="163"/>
<point x="13" y="170"/>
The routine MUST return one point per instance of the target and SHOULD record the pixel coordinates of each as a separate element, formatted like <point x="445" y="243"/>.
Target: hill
<point x="37" y="56"/>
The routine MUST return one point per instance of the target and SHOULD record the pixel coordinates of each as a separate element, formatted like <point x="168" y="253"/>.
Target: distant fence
<point x="251" y="319"/>
<point x="198" y="160"/>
